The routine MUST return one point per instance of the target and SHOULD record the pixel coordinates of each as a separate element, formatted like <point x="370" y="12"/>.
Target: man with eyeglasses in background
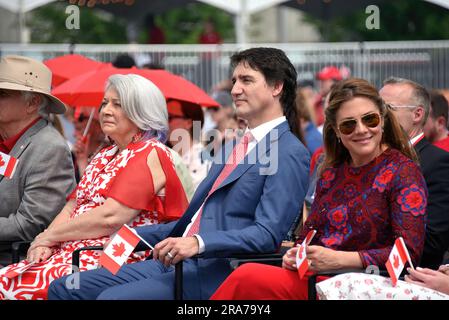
<point x="435" y="129"/>
<point x="410" y="103"/>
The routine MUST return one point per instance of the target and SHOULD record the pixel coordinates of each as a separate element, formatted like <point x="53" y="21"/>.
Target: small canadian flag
<point x="8" y="165"/>
<point x="301" y="257"/>
<point x="396" y="261"/>
<point x="18" y="269"/>
<point x="119" y="249"/>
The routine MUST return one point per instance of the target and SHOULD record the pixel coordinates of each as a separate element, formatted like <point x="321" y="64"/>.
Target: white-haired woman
<point x="133" y="181"/>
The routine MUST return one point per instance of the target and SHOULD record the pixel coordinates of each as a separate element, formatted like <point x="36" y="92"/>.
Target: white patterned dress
<point x="362" y="286"/>
<point x="123" y="176"/>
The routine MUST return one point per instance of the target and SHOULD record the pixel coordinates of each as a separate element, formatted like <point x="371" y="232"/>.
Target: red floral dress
<point x="123" y="176"/>
<point x="361" y="209"/>
<point x="365" y="209"/>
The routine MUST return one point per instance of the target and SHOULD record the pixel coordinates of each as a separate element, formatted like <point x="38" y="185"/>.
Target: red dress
<point x="360" y="209"/>
<point x="123" y="176"/>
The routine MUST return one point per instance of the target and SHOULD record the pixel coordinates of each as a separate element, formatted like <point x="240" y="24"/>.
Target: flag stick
<point x="308" y="237"/>
<point x="406" y="252"/>
<point x="141" y="239"/>
<point x="86" y="129"/>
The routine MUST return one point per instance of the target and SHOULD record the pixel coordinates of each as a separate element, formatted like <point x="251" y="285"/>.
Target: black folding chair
<point x="15" y="250"/>
<point x="236" y="260"/>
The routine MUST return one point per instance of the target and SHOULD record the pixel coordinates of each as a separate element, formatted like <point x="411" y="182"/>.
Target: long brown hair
<point x="393" y="135"/>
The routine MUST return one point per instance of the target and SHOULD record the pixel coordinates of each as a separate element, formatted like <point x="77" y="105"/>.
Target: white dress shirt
<point x="258" y="133"/>
<point x="416" y="138"/>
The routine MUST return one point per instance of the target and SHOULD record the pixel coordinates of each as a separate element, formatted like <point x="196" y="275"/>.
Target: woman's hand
<point x="43" y="240"/>
<point x="444" y="268"/>
<point x="322" y="259"/>
<point x="39" y="254"/>
<point x="429" y="278"/>
<point x="289" y="259"/>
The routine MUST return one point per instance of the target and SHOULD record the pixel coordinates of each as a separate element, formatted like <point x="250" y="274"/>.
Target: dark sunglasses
<point x="370" y="120"/>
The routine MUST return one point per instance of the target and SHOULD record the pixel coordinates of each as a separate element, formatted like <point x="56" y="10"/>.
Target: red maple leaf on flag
<point x="2" y="163"/>
<point x="395" y="261"/>
<point x="119" y="249"/>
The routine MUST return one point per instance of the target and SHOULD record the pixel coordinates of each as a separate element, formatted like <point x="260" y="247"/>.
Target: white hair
<point x="420" y="95"/>
<point x="143" y="103"/>
<point x="44" y="106"/>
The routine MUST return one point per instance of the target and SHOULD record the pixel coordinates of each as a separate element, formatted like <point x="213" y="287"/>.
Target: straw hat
<point x="26" y="74"/>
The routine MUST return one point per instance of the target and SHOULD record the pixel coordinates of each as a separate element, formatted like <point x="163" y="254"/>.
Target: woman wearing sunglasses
<point x="370" y="192"/>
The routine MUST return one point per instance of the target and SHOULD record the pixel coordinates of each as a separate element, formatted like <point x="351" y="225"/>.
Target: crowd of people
<point x="362" y="166"/>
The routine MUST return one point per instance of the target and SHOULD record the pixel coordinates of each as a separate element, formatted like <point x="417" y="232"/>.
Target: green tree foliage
<point x="184" y="25"/>
<point x="399" y="20"/>
<point x="48" y="25"/>
<point x="181" y="25"/>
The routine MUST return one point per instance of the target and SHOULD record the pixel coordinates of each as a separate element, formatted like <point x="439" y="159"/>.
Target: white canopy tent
<point x="241" y="9"/>
<point x="231" y="6"/>
<point x="441" y="3"/>
<point x="20" y="7"/>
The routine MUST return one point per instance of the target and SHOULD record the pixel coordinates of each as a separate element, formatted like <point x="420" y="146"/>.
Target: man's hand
<point x="179" y="248"/>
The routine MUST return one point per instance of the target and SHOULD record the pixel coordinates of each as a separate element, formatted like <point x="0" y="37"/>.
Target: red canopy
<point x="88" y="89"/>
<point x="69" y="66"/>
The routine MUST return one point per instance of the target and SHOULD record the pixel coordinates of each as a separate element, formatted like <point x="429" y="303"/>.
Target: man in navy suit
<point x="410" y="102"/>
<point x="244" y="208"/>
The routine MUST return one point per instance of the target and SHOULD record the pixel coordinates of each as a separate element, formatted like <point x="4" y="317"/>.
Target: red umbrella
<point x="88" y="89"/>
<point x="69" y="66"/>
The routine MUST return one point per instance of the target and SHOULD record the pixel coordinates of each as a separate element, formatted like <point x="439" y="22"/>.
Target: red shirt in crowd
<point x="443" y="144"/>
<point x="319" y="110"/>
<point x="210" y="38"/>
<point x="156" y="36"/>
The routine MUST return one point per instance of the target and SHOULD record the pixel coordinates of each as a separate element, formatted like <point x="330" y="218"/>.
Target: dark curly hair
<point x="276" y="68"/>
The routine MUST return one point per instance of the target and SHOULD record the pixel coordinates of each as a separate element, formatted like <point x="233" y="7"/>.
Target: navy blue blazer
<point x="250" y="212"/>
<point x="435" y="168"/>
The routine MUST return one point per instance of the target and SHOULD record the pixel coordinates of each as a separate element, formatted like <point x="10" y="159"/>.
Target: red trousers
<point x="254" y="281"/>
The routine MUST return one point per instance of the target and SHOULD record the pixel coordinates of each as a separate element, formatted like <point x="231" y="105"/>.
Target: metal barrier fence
<point x="426" y="62"/>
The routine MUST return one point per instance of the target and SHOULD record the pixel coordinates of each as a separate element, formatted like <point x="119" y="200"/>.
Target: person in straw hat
<point x="44" y="175"/>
